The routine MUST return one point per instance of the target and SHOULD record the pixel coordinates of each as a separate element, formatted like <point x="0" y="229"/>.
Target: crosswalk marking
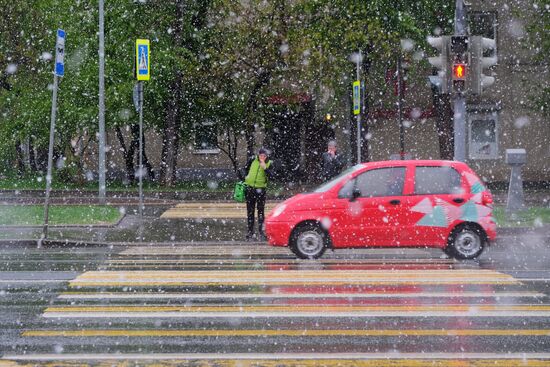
<point x="285" y="332"/>
<point x="365" y="294"/>
<point x="262" y="277"/>
<point x="392" y="359"/>
<point x="301" y="300"/>
<point x="261" y="250"/>
<point x="290" y="311"/>
<point x="209" y="210"/>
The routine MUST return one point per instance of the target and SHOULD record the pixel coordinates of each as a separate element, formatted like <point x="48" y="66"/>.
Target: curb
<point x="73" y="243"/>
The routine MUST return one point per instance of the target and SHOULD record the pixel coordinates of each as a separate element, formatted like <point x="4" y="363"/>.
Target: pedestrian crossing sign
<point x="143" y="64"/>
<point x="356" y="97"/>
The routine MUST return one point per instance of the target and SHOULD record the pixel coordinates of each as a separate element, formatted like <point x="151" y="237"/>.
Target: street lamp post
<point x="101" y="133"/>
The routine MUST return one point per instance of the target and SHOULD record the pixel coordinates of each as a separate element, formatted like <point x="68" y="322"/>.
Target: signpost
<point x="143" y="72"/>
<point x="59" y="71"/>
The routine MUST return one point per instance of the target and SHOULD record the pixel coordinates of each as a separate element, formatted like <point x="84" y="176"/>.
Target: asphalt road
<point x="253" y="305"/>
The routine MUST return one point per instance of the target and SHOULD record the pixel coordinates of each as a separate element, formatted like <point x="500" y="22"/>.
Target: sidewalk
<point x="157" y="230"/>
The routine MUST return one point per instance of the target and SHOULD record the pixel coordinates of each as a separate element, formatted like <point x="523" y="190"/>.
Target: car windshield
<point x="330" y="184"/>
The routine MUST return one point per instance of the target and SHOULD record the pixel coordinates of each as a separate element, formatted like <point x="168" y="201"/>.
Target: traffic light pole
<point x="359" y="140"/>
<point x="459" y="100"/>
<point x="459" y="125"/>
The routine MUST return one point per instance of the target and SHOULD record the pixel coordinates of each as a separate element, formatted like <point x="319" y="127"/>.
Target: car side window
<point x="437" y="180"/>
<point x="381" y="182"/>
<point x="346" y="190"/>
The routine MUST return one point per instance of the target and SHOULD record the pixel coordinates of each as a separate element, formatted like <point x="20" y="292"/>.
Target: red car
<point x="415" y="203"/>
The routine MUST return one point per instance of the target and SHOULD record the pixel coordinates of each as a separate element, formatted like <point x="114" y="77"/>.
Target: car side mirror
<point x="356" y="193"/>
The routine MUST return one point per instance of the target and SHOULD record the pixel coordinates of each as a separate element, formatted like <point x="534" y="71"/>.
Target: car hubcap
<point x="467" y="243"/>
<point x="310" y="243"/>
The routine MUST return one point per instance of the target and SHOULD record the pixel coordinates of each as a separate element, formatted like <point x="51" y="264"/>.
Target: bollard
<point x="515" y="158"/>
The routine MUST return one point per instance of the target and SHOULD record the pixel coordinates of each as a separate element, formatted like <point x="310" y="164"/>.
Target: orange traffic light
<point x="459" y="71"/>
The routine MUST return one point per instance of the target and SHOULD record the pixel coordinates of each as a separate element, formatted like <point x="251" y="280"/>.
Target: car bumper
<point x="490" y="227"/>
<point x="278" y="233"/>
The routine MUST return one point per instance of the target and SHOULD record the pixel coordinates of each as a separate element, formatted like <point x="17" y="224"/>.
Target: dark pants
<point x="255" y="197"/>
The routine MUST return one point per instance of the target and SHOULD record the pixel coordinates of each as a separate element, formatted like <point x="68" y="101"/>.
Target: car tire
<point x="308" y="241"/>
<point x="466" y="242"/>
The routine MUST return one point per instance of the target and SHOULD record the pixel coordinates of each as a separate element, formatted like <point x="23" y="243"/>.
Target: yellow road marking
<point x="293" y="274"/>
<point x="282" y="283"/>
<point x="373" y="262"/>
<point x="232" y="295"/>
<point x="210" y="210"/>
<point x="320" y="309"/>
<point x="267" y="333"/>
<point x="173" y="360"/>
<point x="327" y="277"/>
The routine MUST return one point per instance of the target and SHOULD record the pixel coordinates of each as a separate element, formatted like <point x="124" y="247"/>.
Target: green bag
<point x="238" y="193"/>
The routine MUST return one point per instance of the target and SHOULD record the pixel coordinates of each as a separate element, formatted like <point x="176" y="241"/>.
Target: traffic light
<point x="459" y="71"/>
<point x="478" y="80"/>
<point x="459" y="55"/>
<point x="441" y="63"/>
<point x="459" y="77"/>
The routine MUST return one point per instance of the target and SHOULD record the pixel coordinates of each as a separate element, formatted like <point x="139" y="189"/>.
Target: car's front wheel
<point x="308" y="241"/>
<point x="466" y="242"/>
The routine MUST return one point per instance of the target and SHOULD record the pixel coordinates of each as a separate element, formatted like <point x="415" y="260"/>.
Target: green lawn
<point x="531" y="217"/>
<point x="31" y="215"/>
<point x="36" y="182"/>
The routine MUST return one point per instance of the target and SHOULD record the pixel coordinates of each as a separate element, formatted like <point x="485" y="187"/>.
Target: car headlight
<point x="279" y="209"/>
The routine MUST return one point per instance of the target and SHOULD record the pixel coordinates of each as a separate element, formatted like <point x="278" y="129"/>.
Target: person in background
<point x="332" y="162"/>
<point x="258" y="170"/>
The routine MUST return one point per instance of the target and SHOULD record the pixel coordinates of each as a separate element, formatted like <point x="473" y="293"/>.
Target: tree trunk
<point x="32" y="158"/>
<point x="19" y="158"/>
<point x="128" y="154"/>
<point x="251" y="108"/>
<point x="135" y="145"/>
<point x="170" y="139"/>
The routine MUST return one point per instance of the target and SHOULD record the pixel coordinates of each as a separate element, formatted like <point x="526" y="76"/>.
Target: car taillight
<point x="486" y="198"/>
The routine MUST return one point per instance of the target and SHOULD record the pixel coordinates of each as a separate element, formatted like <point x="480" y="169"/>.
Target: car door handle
<point x="395" y="202"/>
<point x="458" y="200"/>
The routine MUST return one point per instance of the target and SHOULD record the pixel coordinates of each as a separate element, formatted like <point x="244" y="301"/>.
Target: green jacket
<point x="257" y="177"/>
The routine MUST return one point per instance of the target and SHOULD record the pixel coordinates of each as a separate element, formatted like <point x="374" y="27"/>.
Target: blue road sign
<point x="60" y="53"/>
<point x="142" y="59"/>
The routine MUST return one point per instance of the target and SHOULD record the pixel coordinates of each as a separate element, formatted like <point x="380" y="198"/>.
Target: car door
<point x="434" y="205"/>
<point x="373" y="217"/>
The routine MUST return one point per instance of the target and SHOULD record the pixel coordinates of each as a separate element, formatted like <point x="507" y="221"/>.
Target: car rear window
<point x="437" y="180"/>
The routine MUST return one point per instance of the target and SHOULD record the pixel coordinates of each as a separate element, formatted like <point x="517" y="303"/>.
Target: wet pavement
<point x="253" y="305"/>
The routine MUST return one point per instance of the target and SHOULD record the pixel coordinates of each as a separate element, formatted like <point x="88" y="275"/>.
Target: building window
<point x="484" y="23"/>
<point x="483" y="142"/>
<point x="206" y="138"/>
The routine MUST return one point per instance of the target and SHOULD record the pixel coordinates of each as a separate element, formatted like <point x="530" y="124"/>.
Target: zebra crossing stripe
<point x="289" y="311"/>
<point x="288" y="333"/>
<point x="390" y="359"/>
<point x="388" y="294"/>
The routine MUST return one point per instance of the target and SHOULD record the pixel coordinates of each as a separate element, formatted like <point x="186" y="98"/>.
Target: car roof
<point x="414" y="162"/>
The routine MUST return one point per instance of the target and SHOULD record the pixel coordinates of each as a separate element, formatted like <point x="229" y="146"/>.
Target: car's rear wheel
<point x="466" y="242"/>
<point x="308" y="241"/>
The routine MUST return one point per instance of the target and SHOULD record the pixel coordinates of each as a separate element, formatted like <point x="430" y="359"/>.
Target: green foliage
<point x="539" y="36"/>
<point x="231" y="56"/>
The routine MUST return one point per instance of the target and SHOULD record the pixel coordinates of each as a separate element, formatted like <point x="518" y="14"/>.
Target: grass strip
<point x="32" y="215"/>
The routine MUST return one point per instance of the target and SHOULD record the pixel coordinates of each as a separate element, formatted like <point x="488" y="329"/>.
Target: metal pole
<point x="459" y="122"/>
<point x="140" y="169"/>
<point x="400" y="110"/>
<point x="101" y="163"/>
<point x="50" y="162"/>
<point x="459" y="101"/>
<point x="360" y="108"/>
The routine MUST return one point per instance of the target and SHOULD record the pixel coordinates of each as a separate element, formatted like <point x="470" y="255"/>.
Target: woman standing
<point x="258" y="170"/>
